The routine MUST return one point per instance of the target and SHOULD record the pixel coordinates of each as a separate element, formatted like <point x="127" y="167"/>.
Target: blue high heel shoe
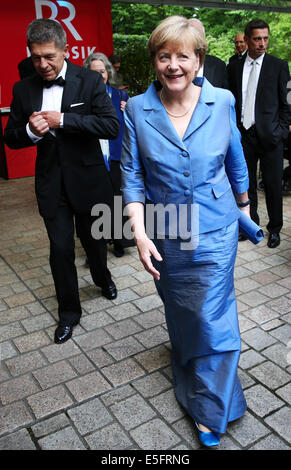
<point x="208" y="439"/>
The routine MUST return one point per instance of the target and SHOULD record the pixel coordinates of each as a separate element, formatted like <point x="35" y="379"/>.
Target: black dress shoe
<point x="118" y="251"/>
<point x="63" y="333"/>
<point x="274" y="240"/>
<point x="109" y="291"/>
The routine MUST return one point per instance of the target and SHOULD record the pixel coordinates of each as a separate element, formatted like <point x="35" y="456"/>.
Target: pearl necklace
<point x="174" y="115"/>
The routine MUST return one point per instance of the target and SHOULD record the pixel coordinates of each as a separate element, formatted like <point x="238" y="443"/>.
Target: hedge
<point x="136" y="67"/>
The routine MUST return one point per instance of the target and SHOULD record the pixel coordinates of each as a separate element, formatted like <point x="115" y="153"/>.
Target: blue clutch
<point x="250" y="229"/>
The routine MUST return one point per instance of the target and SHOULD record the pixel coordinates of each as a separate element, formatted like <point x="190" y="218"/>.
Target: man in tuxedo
<point x="64" y="110"/>
<point x="214" y="69"/>
<point x="240" y="47"/>
<point x="259" y="84"/>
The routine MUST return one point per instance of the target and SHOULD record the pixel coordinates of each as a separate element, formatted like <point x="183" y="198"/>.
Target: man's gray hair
<point x="99" y="56"/>
<point x="44" y="30"/>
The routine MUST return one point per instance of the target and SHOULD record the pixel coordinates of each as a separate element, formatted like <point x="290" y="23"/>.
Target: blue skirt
<point x="197" y="289"/>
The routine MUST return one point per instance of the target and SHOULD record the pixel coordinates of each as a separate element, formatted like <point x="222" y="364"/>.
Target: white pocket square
<point x="76" y="104"/>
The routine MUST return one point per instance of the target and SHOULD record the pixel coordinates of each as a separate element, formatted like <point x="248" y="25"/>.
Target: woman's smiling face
<point x="176" y="66"/>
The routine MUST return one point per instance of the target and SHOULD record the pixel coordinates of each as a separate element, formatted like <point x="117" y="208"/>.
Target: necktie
<point x="250" y="98"/>
<point x="58" y="81"/>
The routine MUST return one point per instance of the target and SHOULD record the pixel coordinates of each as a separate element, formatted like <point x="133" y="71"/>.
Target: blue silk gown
<point x="197" y="289"/>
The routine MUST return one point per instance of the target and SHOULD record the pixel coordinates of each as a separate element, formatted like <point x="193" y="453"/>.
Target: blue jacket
<point x="204" y="168"/>
<point x="116" y="97"/>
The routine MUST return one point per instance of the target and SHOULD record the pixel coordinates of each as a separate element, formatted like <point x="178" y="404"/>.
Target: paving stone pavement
<point x="110" y="386"/>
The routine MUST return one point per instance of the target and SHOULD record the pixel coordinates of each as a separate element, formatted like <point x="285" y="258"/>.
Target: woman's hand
<point x="246" y="210"/>
<point x="243" y="198"/>
<point x="146" y="249"/>
<point x="122" y="105"/>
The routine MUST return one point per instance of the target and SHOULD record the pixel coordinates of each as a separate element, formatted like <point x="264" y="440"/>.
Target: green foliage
<point x="136" y="67"/>
<point x="131" y="18"/>
<point x="279" y="44"/>
<point x="133" y="23"/>
<point x="221" y="46"/>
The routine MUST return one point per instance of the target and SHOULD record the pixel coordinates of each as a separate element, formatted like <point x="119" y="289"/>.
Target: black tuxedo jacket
<point x="271" y="109"/>
<point x="74" y="156"/>
<point x="215" y="71"/>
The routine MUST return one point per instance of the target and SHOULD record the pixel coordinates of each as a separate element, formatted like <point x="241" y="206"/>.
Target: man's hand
<point x="38" y="124"/>
<point x="53" y="118"/>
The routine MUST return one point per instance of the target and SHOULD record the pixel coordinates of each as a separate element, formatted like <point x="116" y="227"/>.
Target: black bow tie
<point x="58" y="81"/>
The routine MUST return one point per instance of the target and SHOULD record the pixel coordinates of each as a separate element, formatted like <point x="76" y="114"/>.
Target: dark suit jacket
<point x="236" y="57"/>
<point x="271" y="108"/>
<point x="74" y="156"/>
<point x="215" y="71"/>
<point x="26" y="68"/>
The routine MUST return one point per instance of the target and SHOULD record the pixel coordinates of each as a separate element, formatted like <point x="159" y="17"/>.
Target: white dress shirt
<point x="51" y="101"/>
<point x="245" y="78"/>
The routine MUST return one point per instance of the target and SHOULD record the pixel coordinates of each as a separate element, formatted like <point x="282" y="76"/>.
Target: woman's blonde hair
<point x="177" y="30"/>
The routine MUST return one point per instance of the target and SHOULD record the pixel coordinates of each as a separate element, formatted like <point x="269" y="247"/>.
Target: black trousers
<point x="61" y="230"/>
<point x="271" y="165"/>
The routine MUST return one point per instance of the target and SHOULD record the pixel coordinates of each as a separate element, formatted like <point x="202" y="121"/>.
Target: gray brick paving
<point x="132" y="411"/>
<point x="155" y="435"/>
<point x="19" y="440"/>
<point x="110" y="386"/>
<point x="110" y="437"/>
<point x="90" y="416"/>
<point x="65" y="439"/>
<point x="280" y="422"/>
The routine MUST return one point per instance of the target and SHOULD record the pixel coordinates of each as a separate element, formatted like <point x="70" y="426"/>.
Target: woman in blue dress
<point x="111" y="149"/>
<point x="183" y="158"/>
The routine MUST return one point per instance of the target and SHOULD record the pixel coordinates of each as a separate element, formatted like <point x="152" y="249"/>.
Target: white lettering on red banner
<point x="88" y="27"/>
<point x="54" y="13"/>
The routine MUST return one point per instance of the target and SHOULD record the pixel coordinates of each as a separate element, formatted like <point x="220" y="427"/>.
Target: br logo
<point x="54" y="13"/>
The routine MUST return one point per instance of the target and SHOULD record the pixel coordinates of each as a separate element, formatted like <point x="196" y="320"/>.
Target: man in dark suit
<point x="259" y="84"/>
<point x="240" y="47"/>
<point x="65" y="118"/>
<point x="214" y="69"/>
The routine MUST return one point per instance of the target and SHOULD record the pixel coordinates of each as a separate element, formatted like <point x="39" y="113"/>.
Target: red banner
<point x="86" y="22"/>
<point x="88" y="27"/>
